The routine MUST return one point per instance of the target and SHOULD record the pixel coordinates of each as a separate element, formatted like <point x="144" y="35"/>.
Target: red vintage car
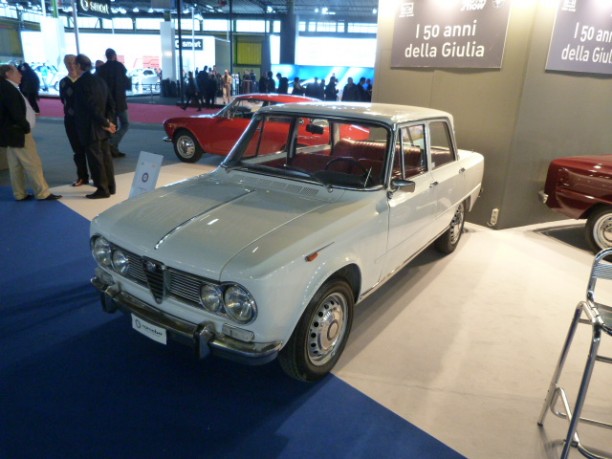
<point x="581" y="187"/>
<point x="192" y="136"/>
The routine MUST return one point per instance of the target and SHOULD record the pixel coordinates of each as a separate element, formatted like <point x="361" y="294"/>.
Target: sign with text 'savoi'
<point x="450" y="34"/>
<point x="582" y="37"/>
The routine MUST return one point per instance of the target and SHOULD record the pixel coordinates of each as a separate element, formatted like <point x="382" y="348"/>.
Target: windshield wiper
<point x="307" y="174"/>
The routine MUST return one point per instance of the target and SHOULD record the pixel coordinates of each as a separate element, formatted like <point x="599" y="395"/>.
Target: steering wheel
<point x="347" y="159"/>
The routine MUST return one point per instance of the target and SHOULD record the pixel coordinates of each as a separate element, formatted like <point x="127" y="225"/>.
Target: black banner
<point x="582" y="37"/>
<point x="188" y="43"/>
<point x="462" y="34"/>
<point x="99" y="8"/>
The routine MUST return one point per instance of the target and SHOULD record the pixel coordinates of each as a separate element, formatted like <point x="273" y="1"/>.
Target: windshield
<point x="330" y="151"/>
<point x="242" y="108"/>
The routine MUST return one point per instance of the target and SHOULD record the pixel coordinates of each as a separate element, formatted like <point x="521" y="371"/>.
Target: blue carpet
<point x="76" y="382"/>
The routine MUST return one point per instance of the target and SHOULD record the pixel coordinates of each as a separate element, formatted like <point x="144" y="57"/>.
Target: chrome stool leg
<point x="584" y="385"/>
<point x="554" y="390"/>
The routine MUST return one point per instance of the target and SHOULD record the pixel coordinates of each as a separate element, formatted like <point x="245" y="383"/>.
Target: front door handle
<point x="433" y="184"/>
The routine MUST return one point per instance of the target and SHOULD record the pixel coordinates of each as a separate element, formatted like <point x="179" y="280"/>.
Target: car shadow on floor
<point x="572" y="235"/>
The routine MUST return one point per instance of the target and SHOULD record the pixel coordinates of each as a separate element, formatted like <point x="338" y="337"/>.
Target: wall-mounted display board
<point x="582" y="37"/>
<point x="451" y="34"/>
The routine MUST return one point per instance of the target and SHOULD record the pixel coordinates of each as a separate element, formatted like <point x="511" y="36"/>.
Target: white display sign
<point x="147" y="173"/>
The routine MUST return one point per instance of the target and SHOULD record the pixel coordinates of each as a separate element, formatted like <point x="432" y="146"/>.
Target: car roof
<point x="385" y="113"/>
<point x="281" y="98"/>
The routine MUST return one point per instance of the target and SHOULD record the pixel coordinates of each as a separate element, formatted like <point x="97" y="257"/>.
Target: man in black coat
<point x="66" y="93"/>
<point x="17" y="119"/>
<point x="115" y="76"/>
<point x="93" y="112"/>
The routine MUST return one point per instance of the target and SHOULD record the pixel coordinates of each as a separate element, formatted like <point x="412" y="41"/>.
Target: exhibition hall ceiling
<point x="321" y="10"/>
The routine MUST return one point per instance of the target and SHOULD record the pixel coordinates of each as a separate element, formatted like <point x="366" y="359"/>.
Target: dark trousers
<point x="33" y="100"/>
<point x="80" y="158"/>
<point x="101" y="166"/>
<point x="209" y="98"/>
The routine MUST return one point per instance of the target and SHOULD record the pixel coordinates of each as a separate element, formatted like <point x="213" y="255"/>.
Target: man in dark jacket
<point x="93" y="112"/>
<point x="17" y="119"/>
<point x="30" y="85"/>
<point x="283" y="84"/>
<point x="115" y="76"/>
<point x="66" y="93"/>
<point x="350" y="93"/>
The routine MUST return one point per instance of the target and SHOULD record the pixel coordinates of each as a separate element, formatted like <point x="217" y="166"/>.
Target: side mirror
<point x="405" y="185"/>
<point x="314" y="129"/>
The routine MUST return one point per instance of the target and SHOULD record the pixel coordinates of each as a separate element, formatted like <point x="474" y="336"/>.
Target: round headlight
<point x="240" y="305"/>
<point x="121" y="263"/>
<point x="210" y="297"/>
<point x="102" y="252"/>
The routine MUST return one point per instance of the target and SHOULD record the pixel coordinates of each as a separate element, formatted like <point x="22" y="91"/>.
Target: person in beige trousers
<point x="17" y="119"/>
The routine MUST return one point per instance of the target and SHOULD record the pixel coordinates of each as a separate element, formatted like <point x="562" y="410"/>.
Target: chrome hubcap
<point x="185" y="146"/>
<point x="456" y="225"/>
<point x="327" y="329"/>
<point x="602" y="231"/>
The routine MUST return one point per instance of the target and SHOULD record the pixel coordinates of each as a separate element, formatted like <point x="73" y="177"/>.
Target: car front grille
<point x="163" y="281"/>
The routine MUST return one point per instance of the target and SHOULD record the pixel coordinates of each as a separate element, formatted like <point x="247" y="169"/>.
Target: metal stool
<point x="599" y="316"/>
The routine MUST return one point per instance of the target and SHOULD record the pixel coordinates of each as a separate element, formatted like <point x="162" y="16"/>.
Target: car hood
<point x="199" y="225"/>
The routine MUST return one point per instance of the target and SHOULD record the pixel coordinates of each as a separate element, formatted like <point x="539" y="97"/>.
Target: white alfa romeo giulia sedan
<point x="316" y="206"/>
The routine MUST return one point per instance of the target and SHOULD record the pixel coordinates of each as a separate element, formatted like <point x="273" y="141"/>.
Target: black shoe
<point x="98" y="195"/>
<point x="52" y="197"/>
<point x="115" y="153"/>
<point x="28" y="197"/>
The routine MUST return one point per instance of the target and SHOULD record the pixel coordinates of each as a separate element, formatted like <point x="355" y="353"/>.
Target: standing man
<point x="114" y="74"/>
<point x="66" y="93"/>
<point x="226" y="82"/>
<point x="17" y="119"/>
<point x="283" y="84"/>
<point x="350" y="93"/>
<point x="93" y="112"/>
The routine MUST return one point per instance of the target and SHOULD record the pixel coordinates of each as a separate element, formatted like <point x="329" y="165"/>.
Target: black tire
<point x="186" y="147"/>
<point x="448" y="241"/>
<point x="598" y="229"/>
<point x="321" y="334"/>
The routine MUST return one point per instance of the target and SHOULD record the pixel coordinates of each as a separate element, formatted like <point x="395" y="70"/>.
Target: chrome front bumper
<point x="167" y="139"/>
<point x="201" y="337"/>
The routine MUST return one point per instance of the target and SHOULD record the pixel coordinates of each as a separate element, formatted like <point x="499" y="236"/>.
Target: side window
<point x="246" y="108"/>
<point x="441" y="146"/>
<point x="268" y="136"/>
<point x="410" y="155"/>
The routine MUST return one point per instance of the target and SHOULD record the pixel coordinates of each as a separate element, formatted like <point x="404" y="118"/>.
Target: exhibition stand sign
<point x="582" y="37"/>
<point x="98" y="8"/>
<point x="465" y="34"/>
<point x="147" y="173"/>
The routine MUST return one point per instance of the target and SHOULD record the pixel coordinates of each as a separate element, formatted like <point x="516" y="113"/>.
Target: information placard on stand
<point x="147" y="173"/>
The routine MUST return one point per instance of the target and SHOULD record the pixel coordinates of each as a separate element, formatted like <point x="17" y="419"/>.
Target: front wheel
<point x="186" y="147"/>
<point x="599" y="229"/>
<point x="321" y="334"/>
<point x="448" y="241"/>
